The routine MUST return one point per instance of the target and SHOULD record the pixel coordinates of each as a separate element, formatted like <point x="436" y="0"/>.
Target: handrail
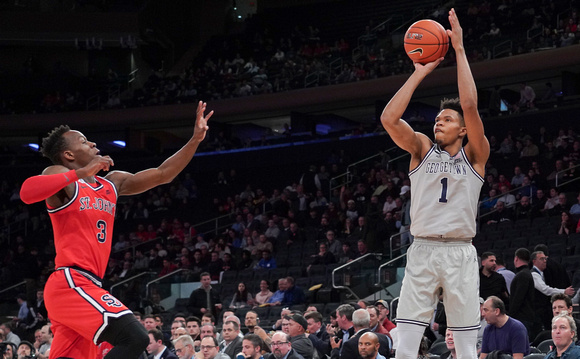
<point x="13" y="286"/>
<point x="391" y="241"/>
<point x="563" y="171"/>
<point x="130" y="279"/>
<point x="346" y="265"/>
<point x="165" y="276"/>
<point x="379" y="270"/>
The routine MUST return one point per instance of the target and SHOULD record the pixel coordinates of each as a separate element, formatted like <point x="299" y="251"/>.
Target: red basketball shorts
<point x="79" y="311"/>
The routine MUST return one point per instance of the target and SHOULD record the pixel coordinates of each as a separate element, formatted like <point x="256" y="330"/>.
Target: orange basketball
<point x="426" y="41"/>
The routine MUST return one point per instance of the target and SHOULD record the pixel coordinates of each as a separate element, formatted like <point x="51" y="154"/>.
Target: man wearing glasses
<point x="543" y="293"/>
<point x="282" y="348"/>
<point x="184" y="347"/>
<point x="210" y="350"/>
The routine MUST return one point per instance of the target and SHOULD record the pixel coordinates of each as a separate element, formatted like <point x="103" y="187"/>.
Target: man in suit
<point x="210" y="349"/>
<point x="318" y="334"/>
<point x="361" y="322"/>
<point x="282" y="348"/>
<point x="156" y="349"/>
<point x="232" y="343"/>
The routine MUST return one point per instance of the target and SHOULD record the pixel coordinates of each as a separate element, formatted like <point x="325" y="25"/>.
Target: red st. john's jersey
<point x="83" y="227"/>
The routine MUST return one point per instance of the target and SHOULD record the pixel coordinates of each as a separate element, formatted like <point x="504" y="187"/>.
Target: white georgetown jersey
<point x="444" y="196"/>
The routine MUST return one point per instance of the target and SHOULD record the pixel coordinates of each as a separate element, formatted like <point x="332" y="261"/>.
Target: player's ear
<point x="68" y="155"/>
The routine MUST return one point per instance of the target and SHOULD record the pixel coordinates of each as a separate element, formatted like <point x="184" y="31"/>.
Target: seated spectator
<point x="501" y="214"/>
<point x="297" y="331"/>
<point x="507" y="198"/>
<point x="293" y="294"/>
<point x="502" y="332"/>
<point x="282" y="347"/>
<point x="566" y="226"/>
<point x="524" y="210"/>
<point x="323" y="256"/>
<point x="264" y="294"/>
<point x="278" y="297"/>
<point x="242" y="298"/>
<point x="267" y="261"/>
<point x="451" y="354"/>
<point x="564" y="334"/>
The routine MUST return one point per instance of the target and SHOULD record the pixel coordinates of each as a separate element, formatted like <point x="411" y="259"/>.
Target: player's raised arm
<point x="478" y="147"/>
<point x="399" y="130"/>
<point x="128" y="184"/>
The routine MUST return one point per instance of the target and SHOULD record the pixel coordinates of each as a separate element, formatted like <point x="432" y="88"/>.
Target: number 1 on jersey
<point x="443" y="198"/>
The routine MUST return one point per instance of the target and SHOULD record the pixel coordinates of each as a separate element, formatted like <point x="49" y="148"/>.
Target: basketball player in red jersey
<point x="82" y="208"/>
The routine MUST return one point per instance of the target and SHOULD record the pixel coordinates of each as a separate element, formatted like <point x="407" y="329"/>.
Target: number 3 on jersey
<point x="102" y="231"/>
<point x="443" y="198"/>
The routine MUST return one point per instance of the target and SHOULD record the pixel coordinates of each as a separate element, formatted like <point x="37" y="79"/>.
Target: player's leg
<point x="128" y="337"/>
<point x="83" y="312"/>
<point x="461" y="298"/>
<point x="417" y="300"/>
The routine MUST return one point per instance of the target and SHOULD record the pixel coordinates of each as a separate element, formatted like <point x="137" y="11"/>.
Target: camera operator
<point x="25" y="350"/>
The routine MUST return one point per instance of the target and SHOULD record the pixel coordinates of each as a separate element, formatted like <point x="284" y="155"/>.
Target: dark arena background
<point x="297" y="88"/>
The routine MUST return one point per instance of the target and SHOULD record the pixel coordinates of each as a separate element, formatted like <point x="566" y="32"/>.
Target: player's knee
<point x="136" y="338"/>
<point x="126" y="332"/>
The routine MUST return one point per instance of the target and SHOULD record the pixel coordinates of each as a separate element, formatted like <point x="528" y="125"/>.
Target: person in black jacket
<point x="204" y="299"/>
<point x="522" y="291"/>
<point x="361" y="322"/>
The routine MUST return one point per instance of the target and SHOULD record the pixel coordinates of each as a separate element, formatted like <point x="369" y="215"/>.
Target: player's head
<point x="54" y="144"/>
<point x="455" y="105"/>
<point x="449" y="123"/>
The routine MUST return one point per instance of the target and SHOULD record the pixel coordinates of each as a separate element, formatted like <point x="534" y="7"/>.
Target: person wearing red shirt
<point x="82" y="208"/>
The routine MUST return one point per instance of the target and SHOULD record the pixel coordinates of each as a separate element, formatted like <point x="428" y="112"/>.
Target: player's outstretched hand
<point x="201" y="121"/>
<point x="428" y="67"/>
<point x="99" y="163"/>
<point x="456" y="32"/>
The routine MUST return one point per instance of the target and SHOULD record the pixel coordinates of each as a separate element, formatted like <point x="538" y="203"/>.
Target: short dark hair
<point x="564" y="297"/>
<point x="156" y="333"/>
<point x="54" y="144"/>
<point x="316" y="316"/>
<point x="193" y="319"/>
<point x="235" y="324"/>
<point x="255" y="339"/>
<point x="204" y="274"/>
<point x="523" y="254"/>
<point x="486" y="255"/>
<point x="499" y="260"/>
<point x="497" y="303"/>
<point x="541" y="248"/>
<point x="452" y="104"/>
<point x="210" y="316"/>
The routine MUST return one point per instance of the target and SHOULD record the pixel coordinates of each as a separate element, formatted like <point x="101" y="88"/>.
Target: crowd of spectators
<point x="264" y="59"/>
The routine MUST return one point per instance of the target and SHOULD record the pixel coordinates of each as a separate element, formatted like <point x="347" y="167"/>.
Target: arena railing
<point x="386" y="277"/>
<point x="347" y="277"/>
<point x="347" y="177"/>
<point x="118" y="292"/>
<point x="177" y="276"/>
<point x="561" y="173"/>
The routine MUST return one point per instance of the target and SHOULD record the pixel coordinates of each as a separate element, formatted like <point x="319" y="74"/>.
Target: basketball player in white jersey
<point x="446" y="179"/>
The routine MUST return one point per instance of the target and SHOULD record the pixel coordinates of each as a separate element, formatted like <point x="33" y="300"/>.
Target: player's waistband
<point x="439" y="241"/>
<point x="87" y="274"/>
